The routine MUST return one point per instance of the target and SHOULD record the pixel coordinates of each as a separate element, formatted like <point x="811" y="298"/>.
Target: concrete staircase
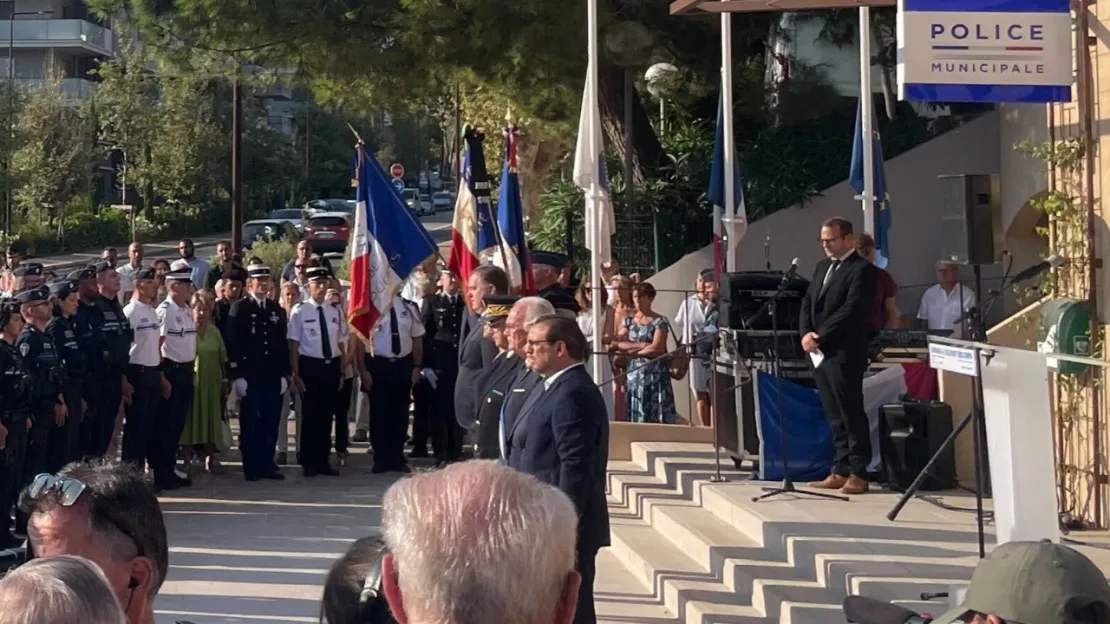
<point x="711" y="555"/>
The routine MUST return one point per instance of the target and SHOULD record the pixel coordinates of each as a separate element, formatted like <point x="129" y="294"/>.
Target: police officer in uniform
<point x="317" y="340"/>
<point x="547" y="266"/>
<point x="389" y="373"/>
<point x="66" y="446"/>
<point x="16" y="387"/>
<point x="144" y="372"/>
<point x="442" y="315"/>
<point x="495" y="382"/>
<point x="179" y="352"/>
<point x="112" y="384"/>
<point x="45" y="363"/>
<point x="258" y="356"/>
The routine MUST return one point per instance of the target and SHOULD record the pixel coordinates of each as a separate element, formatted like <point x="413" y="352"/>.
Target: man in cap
<point x="112" y="385"/>
<point x="258" y="357"/>
<point x="389" y="372"/>
<point x="144" y="371"/>
<point x="547" y="266"/>
<point x="1034" y="583"/>
<point x="28" y="275"/>
<point x="475" y="352"/>
<point x="179" y="351"/>
<point x="47" y="369"/>
<point x="497" y="377"/>
<point x="65" y="443"/>
<point x="443" y="315"/>
<point x="94" y="345"/>
<point x="317" y="350"/>
<point x="16" y="402"/>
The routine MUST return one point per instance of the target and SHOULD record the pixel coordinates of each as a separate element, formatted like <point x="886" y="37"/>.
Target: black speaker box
<point x="912" y="432"/>
<point x="743" y="294"/>
<point x="971" y="218"/>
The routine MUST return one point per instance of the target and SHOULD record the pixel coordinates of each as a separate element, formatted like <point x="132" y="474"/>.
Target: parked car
<point x="295" y="216"/>
<point x="268" y="230"/>
<point x="317" y="206"/>
<point x="328" y="231"/>
<point x="412" y="199"/>
<point x="426" y="206"/>
<point x="441" y="200"/>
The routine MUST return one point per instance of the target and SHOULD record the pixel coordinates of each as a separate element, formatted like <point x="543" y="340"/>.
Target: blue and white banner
<point x="984" y="50"/>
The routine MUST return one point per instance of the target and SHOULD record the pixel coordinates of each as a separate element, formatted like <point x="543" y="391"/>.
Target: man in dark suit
<point x="524" y="313"/>
<point x="475" y="352"/>
<point x="562" y="437"/>
<point x="496" y="379"/>
<point x="443" y="315"/>
<point x="834" y="327"/>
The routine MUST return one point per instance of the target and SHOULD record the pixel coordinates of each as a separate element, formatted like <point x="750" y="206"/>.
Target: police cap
<point x="85" y="273"/>
<point x="318" y="273"/>
<point x="497" y="307"/>
<point x="62" y="288"/>
<point x="258" y="271"/>
<point x="552" y="259"/>
<point x="27" y="270"/>
<point x="180" y="275"/>
<point x="144" y="274"/>
<point x="29" y="296"/>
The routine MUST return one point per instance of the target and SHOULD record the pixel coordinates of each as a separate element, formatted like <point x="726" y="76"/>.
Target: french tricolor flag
<point x="389" y="242"/>
<point x="473" y="228"/>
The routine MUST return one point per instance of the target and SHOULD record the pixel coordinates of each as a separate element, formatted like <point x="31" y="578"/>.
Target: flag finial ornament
<point x="509" y="117"/>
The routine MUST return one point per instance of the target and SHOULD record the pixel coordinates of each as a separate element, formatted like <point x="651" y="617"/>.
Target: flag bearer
<point x="389" y="372"/>
<point x="317" y="340"/>
<point x="179" y="350"/>
<point x="259" y="369"/>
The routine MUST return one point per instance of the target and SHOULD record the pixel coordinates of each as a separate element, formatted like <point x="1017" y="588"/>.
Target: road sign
<point x="985" y="51"/>
<point x="398" y="184"/>
<point x="397" y="170"/>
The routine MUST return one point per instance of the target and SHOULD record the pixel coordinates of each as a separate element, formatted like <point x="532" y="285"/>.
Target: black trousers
<point x="321" y="381"/>
<point x="423" y="408"/>
<point x="447" y="435"/>
<point x="172" y="415"/>
<point x="587" y="568"/>
<point x="839" y="381"/>
<point x="103" y="393"/>
<point x="38" y="438"/>
<point x="12" y="458"/>
<point x="389" y="409"/>
<point x="63" y="443"/>
<point x="342" y="406"/>
<point x="140" y="417"/>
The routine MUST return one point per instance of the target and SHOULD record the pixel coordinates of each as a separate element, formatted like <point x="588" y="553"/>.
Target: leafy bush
<point x="273" y="254"/>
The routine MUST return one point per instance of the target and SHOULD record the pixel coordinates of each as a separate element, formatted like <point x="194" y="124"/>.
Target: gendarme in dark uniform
<point x="113" y="326"/>
<point x="317" y="335"/>
<point x="547" y="282"/>
<point x="94" y="345"/>
<point x="258" y="355"/>
<point x="179" y="354"/>
<point x="60" y="329"/>
<point x="45" y="363"/>
<point x="443" y="315"/>
<point x="495" y="383"/>
<point x="16" y="397"/>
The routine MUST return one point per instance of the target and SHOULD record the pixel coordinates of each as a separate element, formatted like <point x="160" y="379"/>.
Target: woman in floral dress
<point x="642" y="338"/>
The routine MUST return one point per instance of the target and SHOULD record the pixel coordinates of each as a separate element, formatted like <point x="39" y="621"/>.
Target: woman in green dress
<point x="204" y="429"/>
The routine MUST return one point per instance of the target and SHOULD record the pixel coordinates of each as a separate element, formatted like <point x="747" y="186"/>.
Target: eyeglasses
<point x="533" y="343"/>
<point x="829" y="241"/>
<point x="69" y="491"/>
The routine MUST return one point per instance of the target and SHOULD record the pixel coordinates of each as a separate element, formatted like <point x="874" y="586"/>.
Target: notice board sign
<point x="984" y="50"/>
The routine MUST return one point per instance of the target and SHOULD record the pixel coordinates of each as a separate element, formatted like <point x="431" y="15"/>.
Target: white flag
<point x="590" y="176"/>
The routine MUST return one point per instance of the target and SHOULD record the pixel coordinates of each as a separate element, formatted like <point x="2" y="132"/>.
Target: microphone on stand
<point x="860" y="610"/>
<point x="1051" y="262"/>
<point x="791" y="272"/>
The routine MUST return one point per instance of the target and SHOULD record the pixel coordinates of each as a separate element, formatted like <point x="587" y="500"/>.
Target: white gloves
<point x="430" y="375"/>
<point x="284" y="385"/>
<point x="240" y="387"/>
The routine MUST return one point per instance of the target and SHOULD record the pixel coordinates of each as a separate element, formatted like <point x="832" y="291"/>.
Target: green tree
<point x="55" y="159"/>
<point x="182" y="167"/>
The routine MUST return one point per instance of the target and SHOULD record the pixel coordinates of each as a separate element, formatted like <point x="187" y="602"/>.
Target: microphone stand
<point x="787" y="485"/>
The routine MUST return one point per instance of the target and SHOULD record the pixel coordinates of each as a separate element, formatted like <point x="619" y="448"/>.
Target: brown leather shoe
<point x="855" y="485"/>
<point x="831" y="482"/>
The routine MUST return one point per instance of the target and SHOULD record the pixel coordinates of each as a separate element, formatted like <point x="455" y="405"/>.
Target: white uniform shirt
<point x="409" y="326"/>
<point x="126" y="281"/>
<point x="304" y="327"/>
<point x="942" y="309"/>
<point x="179" y="331"/>
<point x="691" y="318"/>
<point x="144" y="322"/>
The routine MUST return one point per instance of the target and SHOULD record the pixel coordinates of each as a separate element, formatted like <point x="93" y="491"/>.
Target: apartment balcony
<point x="72" y="35"/>
<point x="76" y="89"/>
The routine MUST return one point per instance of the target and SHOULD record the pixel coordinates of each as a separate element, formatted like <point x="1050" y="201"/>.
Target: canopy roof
<point x="693" y="7"/>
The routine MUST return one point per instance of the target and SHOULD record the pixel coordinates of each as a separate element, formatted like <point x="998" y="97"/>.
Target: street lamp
<point x="9" y="8"/>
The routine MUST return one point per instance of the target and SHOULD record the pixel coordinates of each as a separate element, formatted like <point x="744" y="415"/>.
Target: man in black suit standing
<point x="475" y="352"/>
<point x="443" y="315"/>
<point x="834" y="332"/>
<point x="561" y="437"/>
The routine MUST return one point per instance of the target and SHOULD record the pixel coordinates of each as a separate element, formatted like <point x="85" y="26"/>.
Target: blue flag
<point x="389" y="242"/>
<point x="881" y="209"/>
<point x="716" y="195"/>
<point x="510" y="221"/>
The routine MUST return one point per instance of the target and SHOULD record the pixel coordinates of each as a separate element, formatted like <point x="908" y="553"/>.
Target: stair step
<point x="620" y="596"/>
<point x="687" y="588"/>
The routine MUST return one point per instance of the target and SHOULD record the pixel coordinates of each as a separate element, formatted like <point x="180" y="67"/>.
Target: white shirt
<point x="550" y="379"/>
<point x="409" y="326"/>
<point x="691" y="318"/>
<point x="144" y="322"/>
<point x="942" y="309"/>
<point x="200" y="270"/>
<point x="586" y="324"/>
<point x="126" y="281"/>
<point x="179" y="331"/>
<point x="304" y="327"/>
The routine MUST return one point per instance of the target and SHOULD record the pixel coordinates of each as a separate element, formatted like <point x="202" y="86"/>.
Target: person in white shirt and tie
<point x="317" y="354"/>
<point x="179" y="350"/>
<point x="388" y="374"/>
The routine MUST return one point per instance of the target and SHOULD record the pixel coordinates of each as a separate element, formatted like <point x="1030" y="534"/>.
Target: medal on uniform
<point x="24" y="349"/>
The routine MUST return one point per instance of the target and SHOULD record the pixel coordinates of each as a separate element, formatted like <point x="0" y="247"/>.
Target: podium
<point x="1018" y="421"/>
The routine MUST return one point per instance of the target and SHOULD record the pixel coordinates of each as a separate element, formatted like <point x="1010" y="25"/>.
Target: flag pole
<point x="593" y="228"/>
<point x="729" y="142"/>
<point x="866" y="109"/>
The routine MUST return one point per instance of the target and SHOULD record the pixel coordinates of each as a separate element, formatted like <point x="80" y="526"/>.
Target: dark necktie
<point x="325" y="339"/>
<point x="828" y="276"/>
<point x="394" y="332"/>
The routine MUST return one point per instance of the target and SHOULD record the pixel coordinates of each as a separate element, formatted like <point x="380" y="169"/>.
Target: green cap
<point x="1033" y="583"/>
